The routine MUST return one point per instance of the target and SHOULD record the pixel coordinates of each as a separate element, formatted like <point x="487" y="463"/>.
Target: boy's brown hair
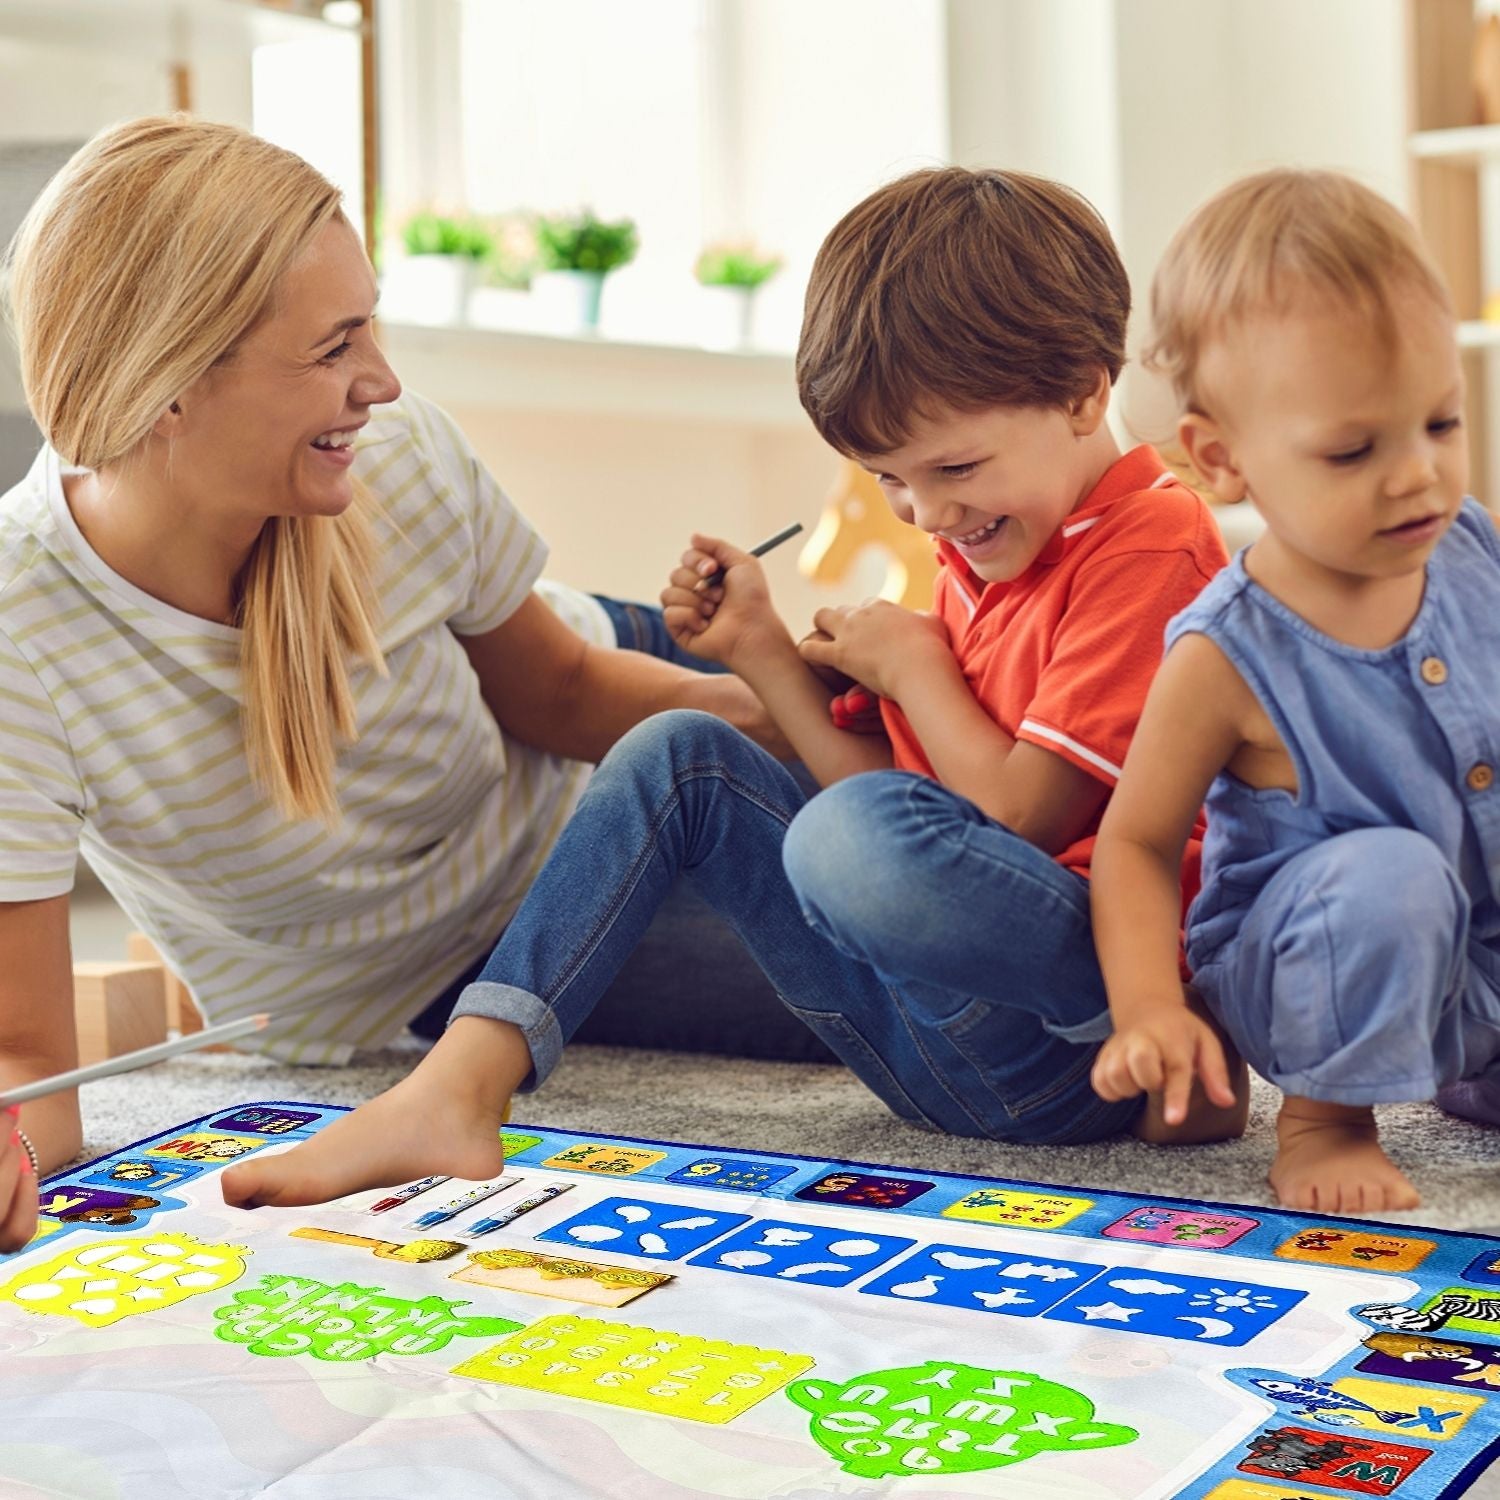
<point x="957" y="288"/>
<point x="1265" y="242"/>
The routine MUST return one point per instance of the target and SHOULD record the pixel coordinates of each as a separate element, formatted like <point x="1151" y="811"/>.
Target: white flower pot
<point x="568" y="301"/>
<point x="435" y="288"/>
<point x="726" y="316"/>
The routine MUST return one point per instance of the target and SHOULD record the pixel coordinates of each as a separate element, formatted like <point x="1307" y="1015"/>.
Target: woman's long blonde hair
<point x="144" y="262"/>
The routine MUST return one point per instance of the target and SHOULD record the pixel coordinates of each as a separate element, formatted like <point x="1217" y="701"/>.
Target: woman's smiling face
<point x="270" y="429"/>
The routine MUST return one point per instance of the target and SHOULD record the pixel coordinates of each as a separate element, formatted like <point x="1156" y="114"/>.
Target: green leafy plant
<point x="735" y="265"/>
<point x="583" y="242"/>
<point x="438" y="234"/>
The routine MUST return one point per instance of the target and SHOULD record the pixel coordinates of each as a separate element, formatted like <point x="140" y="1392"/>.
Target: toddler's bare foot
<point x="1329" y="1160"/>
<point x="444" y="1118"/>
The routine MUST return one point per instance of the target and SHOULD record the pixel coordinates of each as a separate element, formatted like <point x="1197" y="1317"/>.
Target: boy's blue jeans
<point x="945" y="960"/>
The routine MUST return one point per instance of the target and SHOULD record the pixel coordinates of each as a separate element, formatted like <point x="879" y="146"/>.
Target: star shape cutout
<point x="1111" y="1311"/>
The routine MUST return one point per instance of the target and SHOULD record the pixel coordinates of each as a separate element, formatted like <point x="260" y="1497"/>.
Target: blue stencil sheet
<point x="630" y="1226"/>
<point x="984" y="1279"/>
<point x="1204" y="1309"/>
<point x="807" y="1253"/>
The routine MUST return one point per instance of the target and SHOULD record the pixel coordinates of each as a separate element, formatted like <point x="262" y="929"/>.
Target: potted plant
<point x="576" y="252"/>
<point x="442" y="267"/>
<point x="729" y="275"/>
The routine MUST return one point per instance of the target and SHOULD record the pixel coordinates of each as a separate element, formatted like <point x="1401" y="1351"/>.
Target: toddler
<point x="1335" y="692"/>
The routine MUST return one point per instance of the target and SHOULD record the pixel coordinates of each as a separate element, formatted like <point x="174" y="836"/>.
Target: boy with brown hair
<point x="928" y="920"/>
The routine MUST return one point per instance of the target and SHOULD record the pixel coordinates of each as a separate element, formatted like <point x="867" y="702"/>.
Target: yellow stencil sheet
<point x="676" y="1374"/>
<point x="102" y="1281"/>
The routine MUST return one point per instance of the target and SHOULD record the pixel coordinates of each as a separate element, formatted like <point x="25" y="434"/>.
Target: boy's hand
<point x="1163" y="1055"/>
<point x="853" y="707"/>
<point x="877" y="643"/>
<point x="18" y="1200"/>
<point x="722" y="622"/>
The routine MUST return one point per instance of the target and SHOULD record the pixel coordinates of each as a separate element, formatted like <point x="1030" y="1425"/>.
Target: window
<point x="702" y="120"/>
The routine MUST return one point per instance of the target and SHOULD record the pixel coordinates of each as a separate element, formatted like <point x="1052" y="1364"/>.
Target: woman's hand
<point x="877" y="644"/>
<point x="726" y="621"/>
<point x="18" y="1197"/>
<point x="1163" y="1054"/>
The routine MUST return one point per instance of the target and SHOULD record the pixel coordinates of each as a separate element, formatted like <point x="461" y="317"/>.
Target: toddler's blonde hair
<point x="1264" y="242"/>
<point x="145" y="261"/>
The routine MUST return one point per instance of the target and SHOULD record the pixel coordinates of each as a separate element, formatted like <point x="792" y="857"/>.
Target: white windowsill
<point x="528" y="371"/>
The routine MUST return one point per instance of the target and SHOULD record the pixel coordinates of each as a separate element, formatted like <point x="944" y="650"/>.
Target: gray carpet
<point x="810" y="1110"/>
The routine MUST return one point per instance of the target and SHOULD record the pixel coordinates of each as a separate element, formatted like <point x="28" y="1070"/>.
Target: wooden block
<point x="119" y="1007"/>
<point x="183" y="1014"/>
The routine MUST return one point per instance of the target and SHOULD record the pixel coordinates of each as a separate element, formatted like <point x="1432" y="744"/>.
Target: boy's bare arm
<point x="1189" y="730"/>
<point x="1045" y="799"/>
<point x="906" y="656"/>
<point x="797" y="699"/>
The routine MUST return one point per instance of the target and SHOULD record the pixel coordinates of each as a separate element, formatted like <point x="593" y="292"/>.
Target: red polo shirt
<point x="1062" y="656"/>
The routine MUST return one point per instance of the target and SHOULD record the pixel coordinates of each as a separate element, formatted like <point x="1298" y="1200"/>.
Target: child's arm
<point x="906" y="657"/>
<point x="1191" y="727"/>
<point x="735" y="623"/>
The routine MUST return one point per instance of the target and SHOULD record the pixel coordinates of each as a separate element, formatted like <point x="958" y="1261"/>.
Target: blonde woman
<point x="271" y="652"/>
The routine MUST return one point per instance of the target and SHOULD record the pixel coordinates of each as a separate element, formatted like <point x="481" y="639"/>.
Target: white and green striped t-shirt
<point x="120" y="733"/>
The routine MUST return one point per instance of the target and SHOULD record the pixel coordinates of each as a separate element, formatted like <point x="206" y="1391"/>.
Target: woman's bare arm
<point x="37" y="1039"/>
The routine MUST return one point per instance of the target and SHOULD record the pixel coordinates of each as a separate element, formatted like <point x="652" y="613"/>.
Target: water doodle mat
<point x="680" y="1321"/>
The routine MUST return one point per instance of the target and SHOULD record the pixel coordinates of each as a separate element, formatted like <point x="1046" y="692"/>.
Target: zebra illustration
<point x="1448" y="1305"/>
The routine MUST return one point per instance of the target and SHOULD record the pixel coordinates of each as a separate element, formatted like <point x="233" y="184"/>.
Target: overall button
<point x="1481" y="777"/>
<point x="1434" y="671"/>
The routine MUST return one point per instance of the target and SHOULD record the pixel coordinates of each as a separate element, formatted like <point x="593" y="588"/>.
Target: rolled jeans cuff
<point x="504" y="1002"/>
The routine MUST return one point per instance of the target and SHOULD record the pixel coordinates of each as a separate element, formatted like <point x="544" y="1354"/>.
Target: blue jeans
<point x="945" y="960"/>
<point x="1354" y="977"/>
<point x="640" y="627"/>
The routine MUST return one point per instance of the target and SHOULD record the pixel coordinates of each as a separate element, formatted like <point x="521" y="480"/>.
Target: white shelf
<point x="460" y="366"/>
<point x="1462" y="145"/>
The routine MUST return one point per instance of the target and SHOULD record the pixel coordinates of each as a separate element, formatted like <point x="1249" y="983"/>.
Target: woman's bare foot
<point x="445" y="1117"/>
<point x="1329" y="1159"/>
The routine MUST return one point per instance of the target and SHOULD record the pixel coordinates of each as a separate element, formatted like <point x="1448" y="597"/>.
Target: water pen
<point x="759" y="550"/>
<point x="455" y="1206"/>
<point x="514" y="1212"/>
<point x="406" y="1194"/>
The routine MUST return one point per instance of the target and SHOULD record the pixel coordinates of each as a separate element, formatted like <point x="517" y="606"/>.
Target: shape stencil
<point x="297" y="1315"/>
<point x="630" y="1226"/>
<point x="1207" y="1310"/>
<point x="939" y="1418"/>
<point x="807" y="1253"/>
<point x="104" y="1281"/>
<point x="677" y="1374"/>
<point x="983" y="1280"/>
